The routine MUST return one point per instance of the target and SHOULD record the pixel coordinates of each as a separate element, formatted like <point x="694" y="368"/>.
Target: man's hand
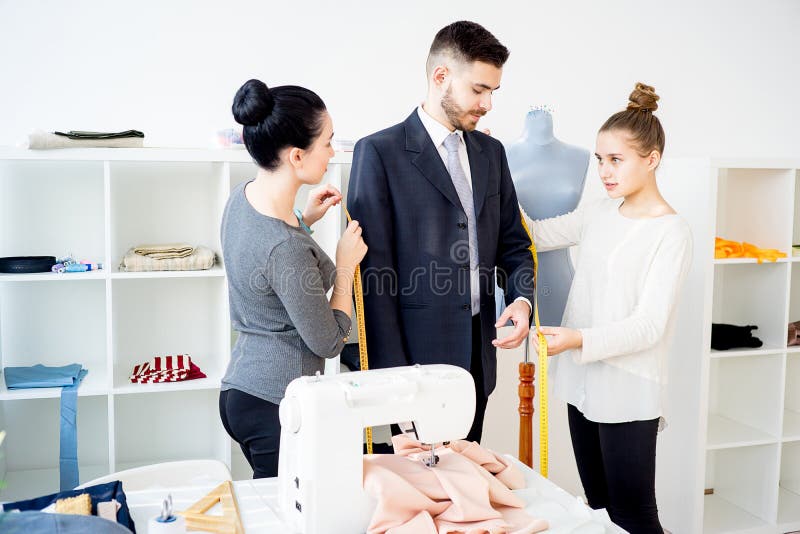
<point x="519" y="313"/>
<point x="560" y="339"/>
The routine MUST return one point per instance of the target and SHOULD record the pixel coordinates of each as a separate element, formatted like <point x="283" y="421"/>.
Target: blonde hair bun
<point x="643" y="98"/>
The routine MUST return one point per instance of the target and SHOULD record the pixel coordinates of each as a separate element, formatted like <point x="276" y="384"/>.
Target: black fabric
<point x="617" y="466"/>
<point x="77" y="134"/>
<point x="26" y="264"/>
<point x="254" y="424"/>
<point x="99" y="493"/>
<point x="728" y="336"/>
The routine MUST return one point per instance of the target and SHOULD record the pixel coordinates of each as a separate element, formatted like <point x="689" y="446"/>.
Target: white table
<point x="258" y="505"/>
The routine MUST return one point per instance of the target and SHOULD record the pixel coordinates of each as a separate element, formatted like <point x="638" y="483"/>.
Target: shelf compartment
<point x="52" y="208"/>
<point x="54" y="324"/>
<point x="791" y="414"/>
<point x="162" y="317"/>
<point x="754" y="205"/>
<point x="750" y="294"/>
<point x="794" y="300"/>
<point x="721" y="516"/>
<point x="789" y="505"/>
<point x="165" y="202"/>
<point x="745" y="485"/>
<point x="744" y="402"/>
<point x="31" y="448"/>
<point x="171" y="426"/>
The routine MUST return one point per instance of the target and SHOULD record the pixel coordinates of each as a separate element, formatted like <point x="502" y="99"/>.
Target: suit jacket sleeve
<point x="514" y="260"/>
<point x="368" y="200"/>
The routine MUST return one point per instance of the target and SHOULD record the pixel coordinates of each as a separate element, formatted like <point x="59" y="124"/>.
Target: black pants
<point x="476" y="370"/>
<point x="254" y="424"/>
<point x="617" y="466"/>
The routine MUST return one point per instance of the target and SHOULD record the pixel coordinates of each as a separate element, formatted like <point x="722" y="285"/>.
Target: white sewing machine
<point x="320" y="472"/>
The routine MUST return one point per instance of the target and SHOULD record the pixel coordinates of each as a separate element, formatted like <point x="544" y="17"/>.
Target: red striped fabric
<point x="166" y="369"/>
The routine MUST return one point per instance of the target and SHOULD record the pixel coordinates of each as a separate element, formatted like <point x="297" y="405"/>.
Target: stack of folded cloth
<point x="169" y="257"/>
<point x="39" y="140"/>
<point x="166" y="369"/>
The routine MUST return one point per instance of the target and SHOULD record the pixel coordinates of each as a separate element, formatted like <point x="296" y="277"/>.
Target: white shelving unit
<point x="750" y="414"/>
<point x="96" y="204"/>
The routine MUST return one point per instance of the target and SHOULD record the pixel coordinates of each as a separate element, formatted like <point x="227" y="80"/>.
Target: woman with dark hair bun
<point x="278" y="276"/>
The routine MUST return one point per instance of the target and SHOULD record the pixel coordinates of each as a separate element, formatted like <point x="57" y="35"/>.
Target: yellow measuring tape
<point x="542" y="349"/>
<point x="358" y="292"/>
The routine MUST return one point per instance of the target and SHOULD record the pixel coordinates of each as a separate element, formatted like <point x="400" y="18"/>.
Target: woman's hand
<point x="560" y="339"/>
<point x="351" y="248"/>
<point x="320" y="199"/>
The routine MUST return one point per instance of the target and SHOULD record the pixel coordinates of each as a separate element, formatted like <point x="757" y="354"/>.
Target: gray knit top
<point x="278" y="277"/>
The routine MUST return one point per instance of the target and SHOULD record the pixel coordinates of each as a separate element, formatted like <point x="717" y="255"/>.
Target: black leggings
<point x="254" y="424"/>
<point x="617" y="466"/>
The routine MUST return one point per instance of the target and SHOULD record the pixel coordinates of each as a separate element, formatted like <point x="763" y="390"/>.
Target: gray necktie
<point x="464" y="191"/>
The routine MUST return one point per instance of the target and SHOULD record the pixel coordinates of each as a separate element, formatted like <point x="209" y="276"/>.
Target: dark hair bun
<point x="253" y="103"/>
<point x="643" y="98"/>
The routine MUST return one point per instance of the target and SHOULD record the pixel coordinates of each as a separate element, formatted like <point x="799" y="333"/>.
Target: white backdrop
<point x="728" y="73"/>
<point x="727" y="70"/>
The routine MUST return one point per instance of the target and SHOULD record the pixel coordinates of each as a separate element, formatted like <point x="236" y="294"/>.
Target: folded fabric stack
<point x="39" y="140"/>
<point x="166" y="369"/>
<point x="725" y="249"/>
<point x="169" y="257"/>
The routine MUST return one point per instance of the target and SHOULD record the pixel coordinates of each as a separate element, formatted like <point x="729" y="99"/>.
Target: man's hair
<point x="465" y="42"/>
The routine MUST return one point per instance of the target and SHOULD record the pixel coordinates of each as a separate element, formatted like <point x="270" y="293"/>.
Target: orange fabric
<point x="468" y="492"/>
<point x="724" y="249"/>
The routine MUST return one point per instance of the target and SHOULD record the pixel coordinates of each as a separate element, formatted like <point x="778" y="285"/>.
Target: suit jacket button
<point x="462" y="225"/>
<point x="466" y="307"/>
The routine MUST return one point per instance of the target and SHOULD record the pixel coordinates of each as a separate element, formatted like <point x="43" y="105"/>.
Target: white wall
<point x="727" y="71"/>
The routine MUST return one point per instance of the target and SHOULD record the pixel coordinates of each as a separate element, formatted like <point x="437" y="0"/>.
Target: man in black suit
<point x="439" y="213"/>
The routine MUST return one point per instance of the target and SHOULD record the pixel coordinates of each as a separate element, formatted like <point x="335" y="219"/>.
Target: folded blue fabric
<point x="40" y="376"/>
<point x="99" y="493"/>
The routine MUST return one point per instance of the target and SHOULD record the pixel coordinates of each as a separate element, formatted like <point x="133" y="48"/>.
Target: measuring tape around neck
<point x="358" y="293"/>
<point x="542" y="350"/>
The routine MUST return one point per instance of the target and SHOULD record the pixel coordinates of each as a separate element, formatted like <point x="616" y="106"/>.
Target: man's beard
<point x="455" y="114"/>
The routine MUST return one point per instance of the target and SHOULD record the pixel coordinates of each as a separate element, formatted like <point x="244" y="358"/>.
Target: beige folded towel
<point x="202" y="258"/>
<point x="163" y="252"/>
<point x="40" y="140"/>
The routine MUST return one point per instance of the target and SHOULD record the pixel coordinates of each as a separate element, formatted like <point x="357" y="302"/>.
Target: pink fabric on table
<point x="468" y="492"/>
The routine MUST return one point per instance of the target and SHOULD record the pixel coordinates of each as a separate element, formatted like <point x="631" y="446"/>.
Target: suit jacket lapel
<point x="479" y="169"/>
<point x="428" y="160"/>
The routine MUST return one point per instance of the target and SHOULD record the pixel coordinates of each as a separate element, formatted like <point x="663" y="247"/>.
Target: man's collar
<point x="436" y="130"/>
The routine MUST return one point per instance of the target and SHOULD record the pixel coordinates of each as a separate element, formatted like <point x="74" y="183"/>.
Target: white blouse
<point x="628" y="275"/>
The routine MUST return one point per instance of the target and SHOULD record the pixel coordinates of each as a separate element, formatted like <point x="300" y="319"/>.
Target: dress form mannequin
<point x="549" y="176"/>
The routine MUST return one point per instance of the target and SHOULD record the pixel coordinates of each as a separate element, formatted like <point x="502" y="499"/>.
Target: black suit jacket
<point x="416" y="274"/>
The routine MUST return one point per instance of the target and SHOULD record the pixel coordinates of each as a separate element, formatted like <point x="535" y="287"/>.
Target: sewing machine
<point x="320" y="472"/>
